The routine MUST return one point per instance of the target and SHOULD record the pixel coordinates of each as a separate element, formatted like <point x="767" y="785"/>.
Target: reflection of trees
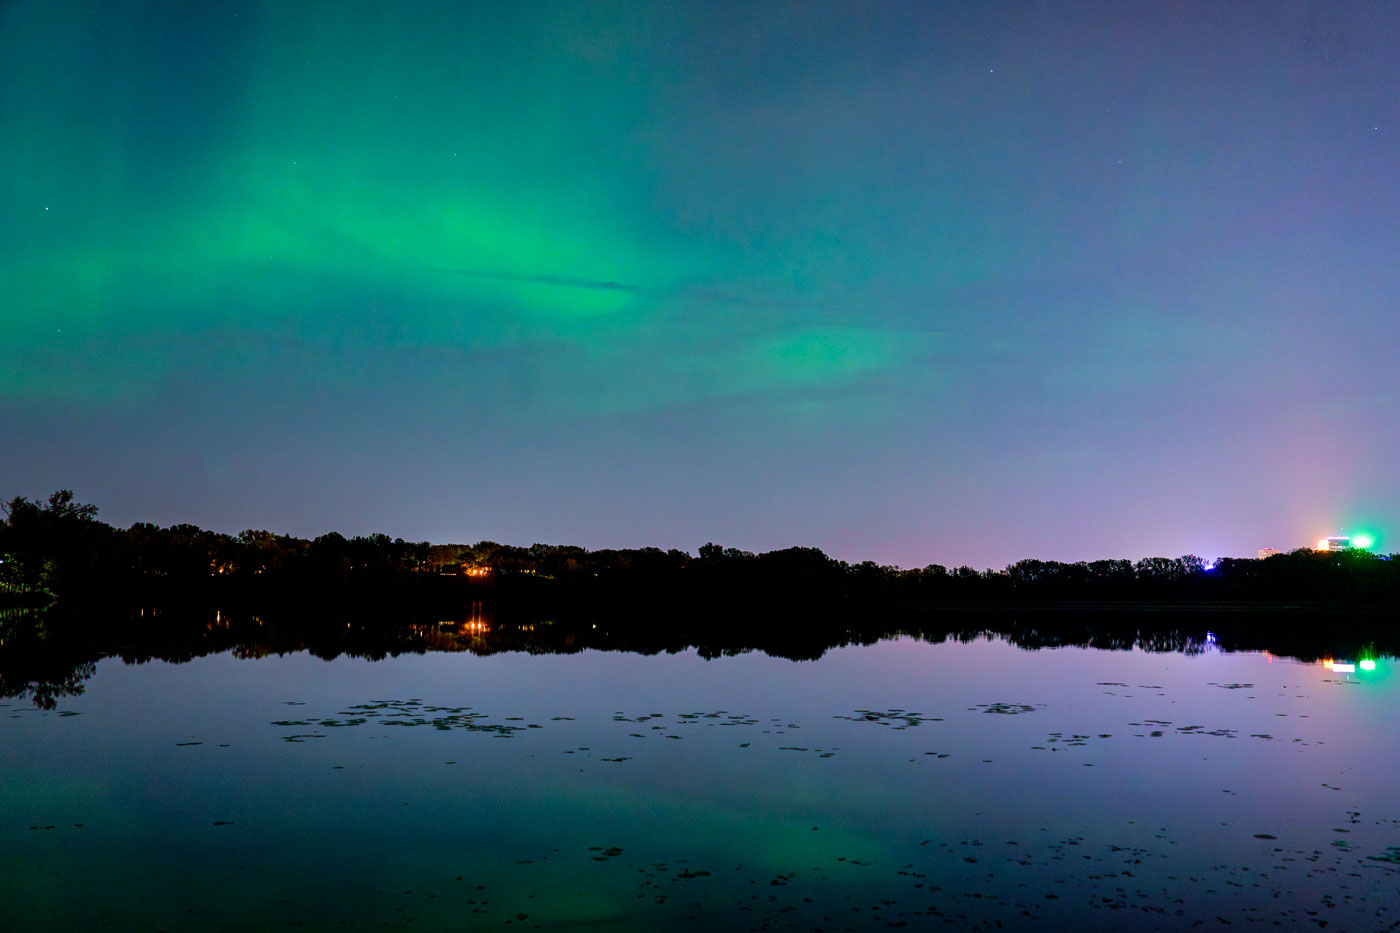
<point x="376" y="596"/>
<point x="34" y="667"/>
<point x="45" y="691"/>
<point x="31" y="664"/>
<point x="45" y="661"/>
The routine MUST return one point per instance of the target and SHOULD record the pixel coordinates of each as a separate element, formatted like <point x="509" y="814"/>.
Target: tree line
<point x="59" y="549"/>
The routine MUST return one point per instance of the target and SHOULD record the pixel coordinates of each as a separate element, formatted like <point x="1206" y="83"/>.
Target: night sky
<point x="954" y="283"/>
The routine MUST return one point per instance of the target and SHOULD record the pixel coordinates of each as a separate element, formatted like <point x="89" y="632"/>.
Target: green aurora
<point x="907" y="282"/>
<point x="332" y="171"/>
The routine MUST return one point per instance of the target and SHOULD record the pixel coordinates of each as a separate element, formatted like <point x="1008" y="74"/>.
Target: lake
<point x="966" y="785"/>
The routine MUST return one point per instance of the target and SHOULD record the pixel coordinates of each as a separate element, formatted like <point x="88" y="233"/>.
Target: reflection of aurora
<point x="750" y="793"/>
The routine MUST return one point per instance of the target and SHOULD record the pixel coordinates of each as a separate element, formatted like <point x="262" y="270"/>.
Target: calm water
<point x="967" y="785"/>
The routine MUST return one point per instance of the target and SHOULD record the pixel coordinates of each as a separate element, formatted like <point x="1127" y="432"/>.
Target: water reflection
<point x="953" y="783"/>
<point x="46" y="654"/>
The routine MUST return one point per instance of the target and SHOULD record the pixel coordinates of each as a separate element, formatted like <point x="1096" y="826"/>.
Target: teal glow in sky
<point x="902" y="282"/>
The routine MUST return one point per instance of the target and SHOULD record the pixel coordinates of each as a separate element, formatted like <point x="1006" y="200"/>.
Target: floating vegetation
<point x="1007" y="709"/>
<point x="602" y="854"/>
<point x="1073" y="740"/>
<point x="897" y="718"/>
<point x="1202" y="730"/>
<point x="16" y="712"/>
<point x="405" y="713"/>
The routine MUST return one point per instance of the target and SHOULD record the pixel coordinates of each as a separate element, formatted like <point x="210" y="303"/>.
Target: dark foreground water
<point x="929" y="785"/>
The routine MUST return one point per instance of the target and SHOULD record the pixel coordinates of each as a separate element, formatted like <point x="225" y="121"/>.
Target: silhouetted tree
<point x="57" y="545"/>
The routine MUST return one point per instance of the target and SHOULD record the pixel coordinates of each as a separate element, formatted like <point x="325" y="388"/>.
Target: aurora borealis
<point x="918" y="283"/>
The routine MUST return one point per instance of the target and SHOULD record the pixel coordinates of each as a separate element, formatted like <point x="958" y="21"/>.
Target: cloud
<point x="692" y="292"/>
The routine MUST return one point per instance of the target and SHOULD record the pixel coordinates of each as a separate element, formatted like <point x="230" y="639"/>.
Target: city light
<point x="1368" y="665"/>
<point x="1361" y="541"/>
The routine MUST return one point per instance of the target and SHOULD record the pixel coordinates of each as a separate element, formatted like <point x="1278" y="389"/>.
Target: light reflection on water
<point x="956" y="784"/>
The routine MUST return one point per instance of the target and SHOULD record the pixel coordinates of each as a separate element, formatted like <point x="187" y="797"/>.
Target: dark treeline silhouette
<point x="49" y="653"/>
<point x="59" y="550"/>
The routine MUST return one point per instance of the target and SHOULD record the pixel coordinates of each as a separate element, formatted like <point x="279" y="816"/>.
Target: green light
<point x="1362" y="541"/>
<point x="1368" y="665"/>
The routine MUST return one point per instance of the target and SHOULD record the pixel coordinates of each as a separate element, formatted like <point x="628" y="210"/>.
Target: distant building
<point x="1268" y="552"/>
<point x="1334" y="543"/>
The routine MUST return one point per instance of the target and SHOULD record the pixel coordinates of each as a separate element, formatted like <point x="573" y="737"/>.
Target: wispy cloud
<point x="691" y="292"/>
